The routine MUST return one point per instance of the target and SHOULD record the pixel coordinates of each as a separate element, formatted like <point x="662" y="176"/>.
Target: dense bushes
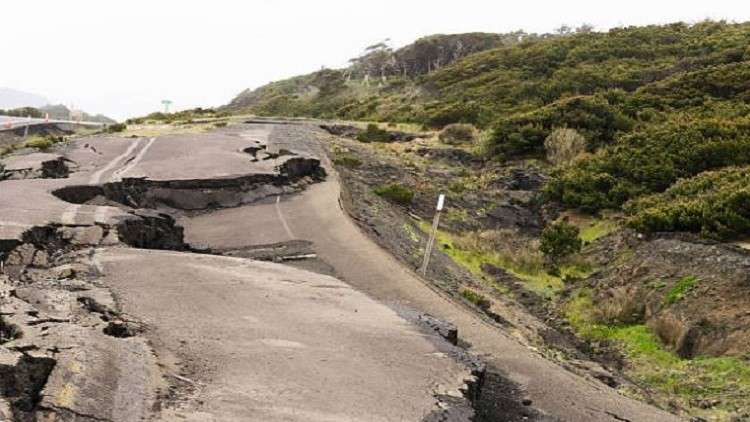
<point x="41" y="142"/>
<point x="116" y="127"/>
<point x="592" y="117"/>
<point x="528" y="72"/>
<point x="650" y="161"/>
<point x="184" y="115"/>
<point x="715" y="204"/>
<point x="560" y="240"/>
<point x="724" y="82"/>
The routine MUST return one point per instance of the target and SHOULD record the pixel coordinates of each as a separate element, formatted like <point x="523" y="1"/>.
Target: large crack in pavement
<point x="68" y="351"/>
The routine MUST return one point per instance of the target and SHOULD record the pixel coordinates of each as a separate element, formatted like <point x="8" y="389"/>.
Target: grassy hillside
<point x="654" y="104"/>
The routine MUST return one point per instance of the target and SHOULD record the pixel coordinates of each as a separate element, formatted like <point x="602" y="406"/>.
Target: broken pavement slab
<point x="37" y="165"/>
<point x="306" y="345"/>
<point x="104" y="378"/>
<point x="283" y="344"/>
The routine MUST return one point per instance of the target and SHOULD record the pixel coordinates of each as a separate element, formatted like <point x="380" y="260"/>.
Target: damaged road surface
<point x="520" y="385"/>
<point x="108" y="314"/>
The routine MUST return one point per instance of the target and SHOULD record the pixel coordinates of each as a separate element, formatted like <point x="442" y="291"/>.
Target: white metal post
<point x="433" y="234"/>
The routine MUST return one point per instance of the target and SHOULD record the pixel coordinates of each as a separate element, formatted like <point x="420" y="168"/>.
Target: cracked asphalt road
<point x="246" y="340"/>
<point x="315" y="215"/>
<point x="233" y="339"/>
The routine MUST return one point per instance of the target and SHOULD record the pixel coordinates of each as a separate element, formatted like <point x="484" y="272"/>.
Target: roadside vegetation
<point x="185" y="116"/>
<point x="39" y="142"/>
<point x="396" y="193"/>
<point x="116" y="128"/>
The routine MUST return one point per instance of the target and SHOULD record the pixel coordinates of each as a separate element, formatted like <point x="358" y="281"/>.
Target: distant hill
<point x="21" y="103"/>
<point x="379" y="67"/>
<point x="11" y="98"/>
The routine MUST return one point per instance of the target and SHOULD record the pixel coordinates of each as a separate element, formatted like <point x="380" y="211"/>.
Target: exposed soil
<point x="396" y="229"/>
<point x="710" y="318"/>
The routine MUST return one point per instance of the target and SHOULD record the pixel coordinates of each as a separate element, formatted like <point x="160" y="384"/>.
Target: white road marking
<point x="136" y="160"/>
<point x="283" y="220"/>
<point x="96" y="177"/>
<point x="70" y="214"/>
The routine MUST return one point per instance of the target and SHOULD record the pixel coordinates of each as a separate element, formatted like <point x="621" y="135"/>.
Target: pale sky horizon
<point x="121" y="58"/>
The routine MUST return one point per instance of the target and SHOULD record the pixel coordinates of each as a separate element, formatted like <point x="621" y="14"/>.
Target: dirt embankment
<point x="691" y="293"/>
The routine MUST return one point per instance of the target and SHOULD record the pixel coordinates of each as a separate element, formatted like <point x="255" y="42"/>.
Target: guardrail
<point x="13" y="122"/>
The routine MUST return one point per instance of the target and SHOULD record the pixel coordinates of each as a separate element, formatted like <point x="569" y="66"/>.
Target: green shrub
<point x="396" y="193"/>
<point x="560" y="240"/>
<point x="441" y="114"/>
<point x="374" y="134"/>
<point x="116" y="127"/>
<point x="347" y="161"/>
<point x="24" y="112"/>
<point x="220" y="124"/>
<point x="458" y="133"/>
<point x="477" y="299"/>
<point x="41" y="143"/>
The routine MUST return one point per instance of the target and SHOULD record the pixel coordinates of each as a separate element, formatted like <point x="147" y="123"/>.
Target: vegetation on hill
<point x="653" y="104"/>
<point x="179" y="116"/>
<point x="715" y="204"/>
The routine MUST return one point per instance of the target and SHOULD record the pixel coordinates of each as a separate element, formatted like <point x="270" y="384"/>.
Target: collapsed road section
<point x="107" y="315"/>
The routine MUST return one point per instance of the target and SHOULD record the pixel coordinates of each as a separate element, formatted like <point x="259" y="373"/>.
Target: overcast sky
<point x="121" y="58"/>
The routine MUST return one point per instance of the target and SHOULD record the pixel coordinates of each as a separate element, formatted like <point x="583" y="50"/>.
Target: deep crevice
<point x="199" y="194"/>
<point x="9" y="331"/>
<point x="21" y="385"/>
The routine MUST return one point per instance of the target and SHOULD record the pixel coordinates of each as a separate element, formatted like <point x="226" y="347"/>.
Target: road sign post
<point x="433" y="234"/>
